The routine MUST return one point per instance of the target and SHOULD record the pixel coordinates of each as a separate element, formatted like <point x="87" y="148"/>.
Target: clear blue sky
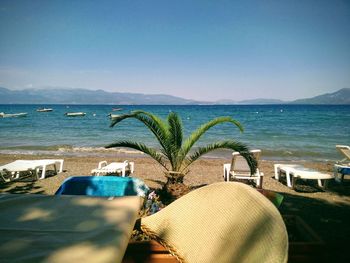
<point x="204" y="50"/>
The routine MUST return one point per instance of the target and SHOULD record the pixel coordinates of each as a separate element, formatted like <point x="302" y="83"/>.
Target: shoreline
<point x="99" y="151"/>
<point x="327" y="212"/>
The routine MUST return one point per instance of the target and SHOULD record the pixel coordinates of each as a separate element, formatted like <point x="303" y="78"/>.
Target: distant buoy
<point x="94" y="114"/>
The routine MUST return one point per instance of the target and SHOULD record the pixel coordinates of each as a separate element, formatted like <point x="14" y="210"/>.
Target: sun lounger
<point x="114" y="168"/>
<point x="14" y="170"/>
<point x="345" y="151"/>
<point x="294" y="172"/>
<point x="341" y="170"/>
<point x="239" y="169"/>
<point x="342" y="167"/>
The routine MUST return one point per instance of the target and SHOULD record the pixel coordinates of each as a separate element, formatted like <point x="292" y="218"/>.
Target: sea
<point x="282" y="132"/>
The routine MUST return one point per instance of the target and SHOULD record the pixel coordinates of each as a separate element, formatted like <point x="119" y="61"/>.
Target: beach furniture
<point x="345" y="151"/>
<point x="14" y="170"/>
<point x="294" y="172"/>
<point x="239" y="169"/>
<point x="70" y="229"/>
<point x="103" y="186"/>
<point x="342" y="167"/>
<point x="122" y="168"/>
<point x="341" y="170"/>
<point x="221" y="222"/>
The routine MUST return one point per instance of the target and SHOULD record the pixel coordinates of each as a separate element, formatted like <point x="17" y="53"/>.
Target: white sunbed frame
<point x="17" y="168"/>
<point x="113" y="168"/>
<point x="343" y="164"/>
<point x="295" y="171"/>
<point x="231" y="172"/>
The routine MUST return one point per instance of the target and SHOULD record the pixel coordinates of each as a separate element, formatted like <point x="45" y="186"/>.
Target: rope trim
<point x="173" y="251"/>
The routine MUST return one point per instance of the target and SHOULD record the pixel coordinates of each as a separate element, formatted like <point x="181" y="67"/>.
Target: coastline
<point x="327" y="212"/>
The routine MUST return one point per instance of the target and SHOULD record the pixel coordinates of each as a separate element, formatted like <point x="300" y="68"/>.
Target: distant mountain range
<point x="84" y="96"/>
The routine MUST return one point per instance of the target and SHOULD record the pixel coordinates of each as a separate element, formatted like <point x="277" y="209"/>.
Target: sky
<point x="202" y="50"/>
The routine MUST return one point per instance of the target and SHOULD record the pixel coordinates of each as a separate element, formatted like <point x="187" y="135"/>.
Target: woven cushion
<point x="222" y="222"/>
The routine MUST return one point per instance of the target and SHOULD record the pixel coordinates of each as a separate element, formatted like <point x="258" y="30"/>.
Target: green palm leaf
<point x="195" y="136"/>
<point x="141" y="147"/>
<point x="174" y="151"/>
<point x="154" y="124"/>
<point x="175" y="137"/>
<point x="232" y="145"/>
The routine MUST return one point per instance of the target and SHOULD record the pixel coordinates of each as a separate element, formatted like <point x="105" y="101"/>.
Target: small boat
<point x="113" y="115"/>
<point x="117" y="109"/>
<point x="75" y="114"/>
<point x="44" y="110"/>
<point x="13" y="115"/>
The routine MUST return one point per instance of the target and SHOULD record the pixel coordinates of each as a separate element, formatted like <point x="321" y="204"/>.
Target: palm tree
<point x="174" y="154"/>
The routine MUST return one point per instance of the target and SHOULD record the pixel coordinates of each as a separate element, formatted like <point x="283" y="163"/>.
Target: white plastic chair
<point x="296" y="171"/>
<point x="114" y="168"/>
<point x="345" y="151"/>
<point x="16" y="168"/>
<point x="342" y="167"/>
<point x="239" y="169"/>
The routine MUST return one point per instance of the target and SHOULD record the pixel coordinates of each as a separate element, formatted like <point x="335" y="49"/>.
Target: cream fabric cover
<point x="62" y="229"/>
<point x="222" y="222"/>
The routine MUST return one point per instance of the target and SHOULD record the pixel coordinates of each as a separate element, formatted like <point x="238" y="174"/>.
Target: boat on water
<point x="75" y="114"/>
<point x="117" y="109"/>
<point x="13" y="115"/>
<point x="44" y="110"/>
<point x="113" y="115"/>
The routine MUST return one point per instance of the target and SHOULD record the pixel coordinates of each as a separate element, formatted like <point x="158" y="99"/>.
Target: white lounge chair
<point x="345" y="150"/>
<point x="239" y="169"/>
<point x="295" y="171"/>
<point x="342" y="167"/>
<point x="114" y="168"/>
<point x="13" y="171"/>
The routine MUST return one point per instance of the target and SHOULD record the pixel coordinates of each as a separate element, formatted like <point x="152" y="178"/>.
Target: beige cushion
<point x="222" y="222"/>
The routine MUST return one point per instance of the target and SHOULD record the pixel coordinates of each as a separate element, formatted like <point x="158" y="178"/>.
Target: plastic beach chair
<point x="342" y="167"/>
<point x="122" y="168"/>
<point x="14" y="170"/>
<point x="105" y="186"/>
<point x="345" y="151"/>
<point x="221" y="222"/>
<point x="295" y="171"/>
<point x="239" y="169"/>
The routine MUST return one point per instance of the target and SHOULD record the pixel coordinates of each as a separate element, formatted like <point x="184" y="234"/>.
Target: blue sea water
<point x="283" y="132"/>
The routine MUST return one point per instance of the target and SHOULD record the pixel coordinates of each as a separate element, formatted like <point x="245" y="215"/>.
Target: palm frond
<point x="152" y="122"/>
<point x="175" y="137"/>
<point x="232" y="145"/>
<point x="195" y="136"/>
<point x="141" y="147"/>
<point x="116" y="120"/>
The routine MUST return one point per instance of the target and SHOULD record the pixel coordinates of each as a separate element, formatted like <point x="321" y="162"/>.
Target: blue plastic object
<point x="103" y="186"/>
<point x="343" y="170"/>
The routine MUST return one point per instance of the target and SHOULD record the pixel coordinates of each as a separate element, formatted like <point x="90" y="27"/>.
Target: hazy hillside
<point x="339" y="97"/>
<point x="84" y="96"/>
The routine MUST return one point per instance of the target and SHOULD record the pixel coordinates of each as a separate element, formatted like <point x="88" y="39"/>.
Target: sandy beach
<point x="327" y="212"/>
